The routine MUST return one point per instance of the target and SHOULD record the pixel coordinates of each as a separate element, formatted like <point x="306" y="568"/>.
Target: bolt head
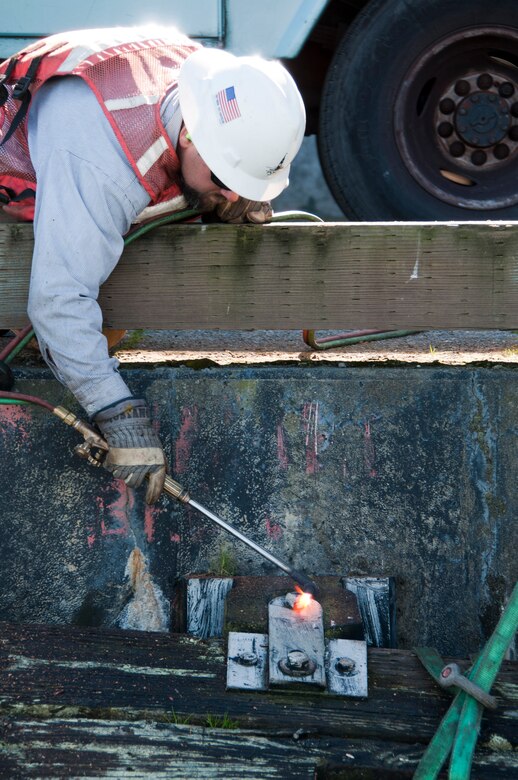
<point x="501" y="151"/>
<point x="445" y="129"/>
<point x="297" y="659"/>
<point x="345" y="665"/>
<point x="447" y="106"/>
<point x="247" y="659"/>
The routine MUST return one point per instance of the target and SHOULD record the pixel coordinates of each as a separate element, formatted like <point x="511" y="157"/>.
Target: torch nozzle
<point x="306" y="585"/>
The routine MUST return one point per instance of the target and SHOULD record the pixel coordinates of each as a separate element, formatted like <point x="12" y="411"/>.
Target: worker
<point x="139" y="123"/>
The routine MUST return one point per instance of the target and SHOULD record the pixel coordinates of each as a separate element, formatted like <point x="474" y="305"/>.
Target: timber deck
<point x="87" y="703"/>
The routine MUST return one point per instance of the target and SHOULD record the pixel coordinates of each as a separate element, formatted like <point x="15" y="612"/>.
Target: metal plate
<point x="346" y="667"/>
<point x="247" y="661"/>
<point x="293" y="631"/>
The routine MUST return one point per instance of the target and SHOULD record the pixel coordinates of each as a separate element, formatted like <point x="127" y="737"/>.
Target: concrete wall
<point x="408" y="472"/>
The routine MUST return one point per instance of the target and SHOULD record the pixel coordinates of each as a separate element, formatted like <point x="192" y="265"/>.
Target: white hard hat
<point x="246" y="118"/>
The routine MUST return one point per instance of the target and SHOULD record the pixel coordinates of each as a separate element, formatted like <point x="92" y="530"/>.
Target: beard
<point x="195" y="200"/>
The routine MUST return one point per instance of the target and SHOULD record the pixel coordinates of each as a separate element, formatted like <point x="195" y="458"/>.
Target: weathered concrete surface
<point x="409" y="472"/>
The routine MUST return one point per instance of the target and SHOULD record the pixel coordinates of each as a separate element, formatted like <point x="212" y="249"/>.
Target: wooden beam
<point x="289" y="276"/>
<point x="48" y="670"/>
<point x="80" y="747"/>
<point x="376" y="597"/>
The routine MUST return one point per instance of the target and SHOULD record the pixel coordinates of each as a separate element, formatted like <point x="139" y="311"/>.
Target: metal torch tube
<point x="174" y="489"/>
<point x="304" y="582"/>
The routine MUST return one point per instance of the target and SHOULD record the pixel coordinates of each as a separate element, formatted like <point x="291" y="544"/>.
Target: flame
<point x="303" y="600"/>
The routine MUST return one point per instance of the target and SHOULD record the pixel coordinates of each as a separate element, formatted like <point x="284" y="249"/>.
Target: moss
<point x="132" y="340"/>
<point x="223" y="563"/>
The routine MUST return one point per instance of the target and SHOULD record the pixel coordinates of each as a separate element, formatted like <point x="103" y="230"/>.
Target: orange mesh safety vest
<point x="130" y="74"/>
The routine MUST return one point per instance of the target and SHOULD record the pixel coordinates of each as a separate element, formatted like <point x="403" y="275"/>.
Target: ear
<point x="184" y="138"/>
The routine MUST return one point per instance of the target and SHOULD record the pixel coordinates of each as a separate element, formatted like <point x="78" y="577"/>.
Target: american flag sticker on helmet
<point x="227" y="104"/>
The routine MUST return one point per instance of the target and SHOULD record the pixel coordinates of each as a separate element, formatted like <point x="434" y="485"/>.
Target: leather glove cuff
<point x="128" y="424"/>
<point x="135" y="449"/>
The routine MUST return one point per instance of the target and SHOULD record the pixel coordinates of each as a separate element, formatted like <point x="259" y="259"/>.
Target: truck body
<point x="414" y="102"/>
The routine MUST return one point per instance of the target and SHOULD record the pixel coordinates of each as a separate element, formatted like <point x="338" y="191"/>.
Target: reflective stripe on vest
<point x="130" y="73"/>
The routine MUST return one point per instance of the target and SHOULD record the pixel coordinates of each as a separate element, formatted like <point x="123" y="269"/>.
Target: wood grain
<point x="288" y="276"/>
<point x="137" y="675"/>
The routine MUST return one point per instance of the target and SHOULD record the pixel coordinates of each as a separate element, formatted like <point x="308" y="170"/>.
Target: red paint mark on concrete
<point x="282" y="455"/>
<point x="16" y="419"/>
<point x="175" y="538"/>
<point x="310" y="431"/>
<point x="90" y="538"/>
<point x="369" y="451"/>
<point x="273" y="530"/>
<point x="151" y="514"/>
<point x="114" y="516"/>
<point x="188" y="430"/>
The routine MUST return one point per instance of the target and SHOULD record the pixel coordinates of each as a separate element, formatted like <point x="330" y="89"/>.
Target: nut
<point x="247" y="659"/>
<point x="345" y="666"/>
<point x="297" y="664"/>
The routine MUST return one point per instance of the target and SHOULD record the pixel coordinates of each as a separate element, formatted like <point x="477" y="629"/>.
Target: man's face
<point x="197" y="186"/>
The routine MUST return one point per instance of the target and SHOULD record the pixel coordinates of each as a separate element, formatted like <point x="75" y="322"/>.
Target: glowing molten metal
<point x="303" y="600"/>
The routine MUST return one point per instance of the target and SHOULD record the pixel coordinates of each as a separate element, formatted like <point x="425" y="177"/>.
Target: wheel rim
<point x="456" y="119"/>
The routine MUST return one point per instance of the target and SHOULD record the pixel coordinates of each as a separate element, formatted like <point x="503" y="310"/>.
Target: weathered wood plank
<point x="95" y="672"/>
<point x="67" y="748"/>
<point x="285" y="276"/>
<point x="206" y="605"/>
<point x="376" y="598"/>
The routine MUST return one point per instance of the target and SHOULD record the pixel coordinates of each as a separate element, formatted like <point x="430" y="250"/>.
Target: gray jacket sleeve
<point x="87" y="198"/>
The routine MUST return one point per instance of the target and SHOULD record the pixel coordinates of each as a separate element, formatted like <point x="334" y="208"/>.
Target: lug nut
<point x="485" y="81"/>
<point x="478" y="157"/>
<point x="445" y="129"/>
<point x="506" y="89"/>
<point x="513" y="133"/>
<point x="447" y="106"/>
<point x="457" y="149"/>
<point x="501" y="151"/>
<point x="514" y="109"/>
<point x="462" y="87"/>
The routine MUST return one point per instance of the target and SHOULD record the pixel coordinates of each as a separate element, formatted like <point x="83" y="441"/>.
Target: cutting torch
<point x="94" y="449"/>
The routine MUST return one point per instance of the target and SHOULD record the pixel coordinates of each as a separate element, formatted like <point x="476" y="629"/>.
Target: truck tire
<point x="419" y="112"/>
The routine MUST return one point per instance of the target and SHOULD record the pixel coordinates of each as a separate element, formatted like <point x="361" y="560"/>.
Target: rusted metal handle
<point x="452" y="675"/>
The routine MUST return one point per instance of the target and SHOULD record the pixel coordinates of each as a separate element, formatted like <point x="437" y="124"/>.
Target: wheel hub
<point x="482" y="119"/>
<point x="460" y="100"/>
<point x="476" y="121"/>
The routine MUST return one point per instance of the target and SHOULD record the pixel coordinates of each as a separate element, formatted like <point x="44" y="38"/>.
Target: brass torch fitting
<point x="176" y="491"/>
<point x="89" y="433"/>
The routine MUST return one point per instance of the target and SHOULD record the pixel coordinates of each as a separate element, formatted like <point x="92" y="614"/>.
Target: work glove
<point x="135" y="449"/>
<point x="244" y="210"/>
